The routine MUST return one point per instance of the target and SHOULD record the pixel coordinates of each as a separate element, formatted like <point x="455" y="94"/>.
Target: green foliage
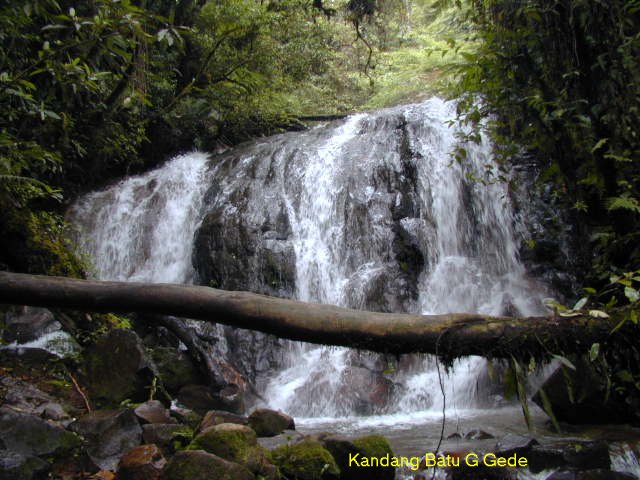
<point x="562" y="80"/>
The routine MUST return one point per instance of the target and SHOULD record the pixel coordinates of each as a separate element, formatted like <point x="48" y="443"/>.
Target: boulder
<point x="587" y="404"/>
<point x="15" y="466"/>
<point x="33" y="436"/>
<point x="587" y="455"/>
<point x="306" y="460"/>
<point x="108" y="434"/>
<point x="202" y="398"/>
<point x="269" y="423"/>
<point x="153" y="411"/>
<point x="574" y="455"/>
<point x="175" y="368"/>
<point x="169" y="437"/>
<point x="216" y="417"/>
<point x="200" y="465"/>
<point x="342" y="448"/>
<point x="144" y="462"/>
<point x="545" y="457"/>
<point x="236" y="443"/>
<point x="27" y="398"/>
<point x="185" y="416"/>
<point x="118" y="368"/>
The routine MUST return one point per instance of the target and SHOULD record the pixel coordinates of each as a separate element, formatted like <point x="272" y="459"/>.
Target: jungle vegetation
<point x="93" y="91"/>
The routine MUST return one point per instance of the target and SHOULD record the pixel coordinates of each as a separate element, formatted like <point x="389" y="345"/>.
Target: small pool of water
<point x="418" y="433"/>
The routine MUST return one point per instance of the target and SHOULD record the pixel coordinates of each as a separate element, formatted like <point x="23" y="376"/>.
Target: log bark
<point x="448" y="335"/>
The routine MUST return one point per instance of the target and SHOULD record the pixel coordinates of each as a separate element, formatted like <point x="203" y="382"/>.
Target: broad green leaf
<point x="624" y="202"/>
<point x="632" y="294"/>
<point x="594" y="351"/>
<point x="581" y="303"/>
<point x="565" y="361"/>
<point x="599" y="145"/>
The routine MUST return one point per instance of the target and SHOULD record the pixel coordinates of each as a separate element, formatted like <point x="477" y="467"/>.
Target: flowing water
<point x="372" y="213"/>
<point x="377" y="215"/>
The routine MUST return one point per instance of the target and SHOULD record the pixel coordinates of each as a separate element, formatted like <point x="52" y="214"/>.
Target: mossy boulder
<point x="200" y="465"/>
<point x="306" y="460"/>
<point x="168" y="436"/>
<point x="370" y="446"/>
<point x="175" y="368"/>
<point x="118" y="368"/>
<point x="269" y="423"/>
<point x="236" y="443"/>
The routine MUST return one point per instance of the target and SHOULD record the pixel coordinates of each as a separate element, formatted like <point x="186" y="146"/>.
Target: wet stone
<point x="15" y="466"/>
<point x="269" y="423"/>
<point x="108" y="434"/>
<point x="153" y="411"/>
<point x="144" y="462"/>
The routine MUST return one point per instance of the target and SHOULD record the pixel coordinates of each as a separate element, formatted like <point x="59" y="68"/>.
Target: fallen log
<point x="448" y="335"/>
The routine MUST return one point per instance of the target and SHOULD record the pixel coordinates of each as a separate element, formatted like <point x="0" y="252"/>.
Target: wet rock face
<point x="25" y="324"/>
<point x="368" y="392"/>
<point x="244" y="252"/>
<point x="553" y="250"/>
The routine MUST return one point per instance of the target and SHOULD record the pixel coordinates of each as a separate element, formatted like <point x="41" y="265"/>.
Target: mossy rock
<point x="200" y="465"/>
<point x="269" y="423"/>
<point x="236" y="443"/>
<point x="118" y="368"/>
<point x="307" y="460"/>
<point x="175" y="368"/>
<point x="376" y="446"/>
<point x="343" y="448"/>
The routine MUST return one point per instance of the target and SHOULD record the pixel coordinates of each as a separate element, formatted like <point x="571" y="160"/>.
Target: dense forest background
<point x="93" y="91"/>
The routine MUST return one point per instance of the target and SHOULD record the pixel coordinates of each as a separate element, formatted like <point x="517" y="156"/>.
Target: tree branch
<point x="449" y="335"/>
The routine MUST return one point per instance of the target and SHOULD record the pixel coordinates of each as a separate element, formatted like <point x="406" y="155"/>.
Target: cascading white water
<point x="464" y="228"/>
<point x="142" y="228"/>
<point x="369" y="213"/>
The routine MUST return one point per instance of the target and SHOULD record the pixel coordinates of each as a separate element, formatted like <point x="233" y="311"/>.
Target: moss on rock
<point x="236" y="443"/>
<point x="307" y="460"/>
<point x="200" y="465"/>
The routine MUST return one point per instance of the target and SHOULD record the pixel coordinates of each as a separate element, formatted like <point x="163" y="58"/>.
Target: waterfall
<point x="371" y="212"/>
